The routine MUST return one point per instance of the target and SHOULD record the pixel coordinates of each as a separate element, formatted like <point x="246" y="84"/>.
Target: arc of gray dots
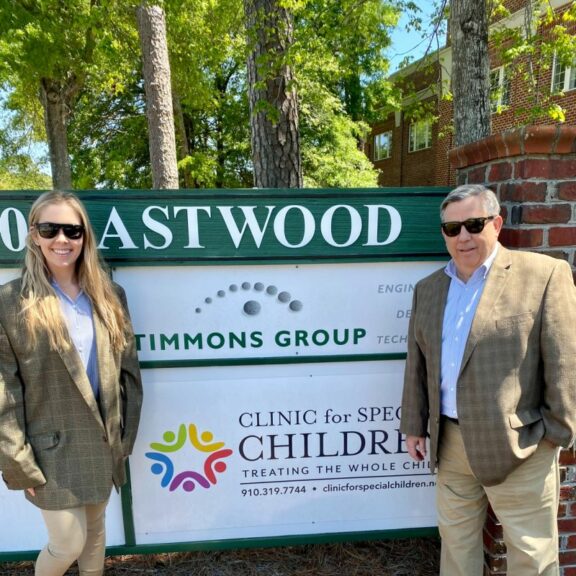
<point x="253" y="307"/>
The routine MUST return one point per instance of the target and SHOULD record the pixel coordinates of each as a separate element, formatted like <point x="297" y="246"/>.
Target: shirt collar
<point x="480" y="273"/>
<point x="63" y="294"/>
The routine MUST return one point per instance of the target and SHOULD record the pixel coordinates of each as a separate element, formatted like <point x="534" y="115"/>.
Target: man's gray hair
<point x="489" y="199"/>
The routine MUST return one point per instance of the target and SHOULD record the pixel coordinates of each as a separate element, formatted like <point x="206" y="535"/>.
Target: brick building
<point x="412" y="152"/>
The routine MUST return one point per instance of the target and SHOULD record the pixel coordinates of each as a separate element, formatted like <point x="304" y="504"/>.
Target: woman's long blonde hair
<point x="41" y="306"/>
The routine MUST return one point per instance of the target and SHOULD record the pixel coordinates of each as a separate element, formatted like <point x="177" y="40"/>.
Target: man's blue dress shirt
<point x="461" y="305"/>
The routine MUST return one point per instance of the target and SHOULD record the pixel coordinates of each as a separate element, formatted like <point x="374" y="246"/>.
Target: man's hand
<point x="416" y="447"/>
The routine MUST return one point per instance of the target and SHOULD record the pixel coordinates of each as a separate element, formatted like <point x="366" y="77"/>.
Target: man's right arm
<point x="416" y="447"/>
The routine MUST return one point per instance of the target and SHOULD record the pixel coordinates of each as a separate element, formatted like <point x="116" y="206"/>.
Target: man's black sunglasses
<point x="50" y="230"/>
<point x="472" y="225"/>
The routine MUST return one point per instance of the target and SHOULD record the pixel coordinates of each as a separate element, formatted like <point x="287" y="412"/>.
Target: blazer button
<point x="105" y="439"/>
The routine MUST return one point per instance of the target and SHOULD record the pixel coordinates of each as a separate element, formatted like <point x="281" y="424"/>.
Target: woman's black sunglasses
<point x="472" y="225"/>
<point x="50" y="230"/>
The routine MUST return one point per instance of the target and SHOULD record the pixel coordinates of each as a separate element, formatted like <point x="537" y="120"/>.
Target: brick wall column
<point x="533" y="172"/>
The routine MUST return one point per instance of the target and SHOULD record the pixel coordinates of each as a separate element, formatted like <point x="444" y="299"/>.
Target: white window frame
<point x="499" y="89"/>
<point x="382" y="152"/>
<point x="420" y="137"/>
<point x="567" y="81"/>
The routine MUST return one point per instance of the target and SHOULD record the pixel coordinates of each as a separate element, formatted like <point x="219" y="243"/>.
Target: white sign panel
<point x="225" y="312"/>
<point x="259" y="451"/>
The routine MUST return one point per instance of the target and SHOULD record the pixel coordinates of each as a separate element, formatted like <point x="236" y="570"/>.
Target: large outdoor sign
<point x="271" y="328"/>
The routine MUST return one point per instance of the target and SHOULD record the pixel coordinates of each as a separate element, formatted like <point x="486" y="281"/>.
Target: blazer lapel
<point x="438" y="306"/>
<point x="105" y="366"/>
<point x="78" y="374"/>
<point x="495" y="284"/>
<point x="436" y="319"/>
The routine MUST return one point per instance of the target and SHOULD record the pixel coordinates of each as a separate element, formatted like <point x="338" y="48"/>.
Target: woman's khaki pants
<point x="74" y="534"/>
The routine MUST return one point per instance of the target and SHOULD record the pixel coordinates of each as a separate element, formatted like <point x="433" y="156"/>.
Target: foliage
<point x="341" y="70"/>
<point x="529" y="51"/>
<point x="69" y="46"/>
<point x="331" y="155"/>
<point x="338" y="58"/>
<point x="341" y="46"/>
<point x="414" y="86"/>
<point x="108" y="137"/>
<point x="30" y="179"/>
<point x="341" y="74"/>
<point x="209" y="76"/>
<point x="21" y="162"/>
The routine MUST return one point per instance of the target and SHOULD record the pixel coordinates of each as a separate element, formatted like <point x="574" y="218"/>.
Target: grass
<point x="408" y="557"/>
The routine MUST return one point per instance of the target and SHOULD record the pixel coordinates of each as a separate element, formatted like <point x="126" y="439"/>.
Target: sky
<point x="410" y="43"/>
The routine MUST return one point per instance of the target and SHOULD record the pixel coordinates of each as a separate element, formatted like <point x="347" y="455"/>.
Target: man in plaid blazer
<point x="491" y="378"/>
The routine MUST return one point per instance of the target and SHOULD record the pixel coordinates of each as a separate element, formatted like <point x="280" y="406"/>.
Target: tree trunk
<point x="182" y="147"/>
<point x="470" y="70"/>
<point x="275" y="134"/>
<point x="54" y="102"/>
<point x="221" y="81"/>
<point x="353" y="95"/>
<point x="157" y="83"/>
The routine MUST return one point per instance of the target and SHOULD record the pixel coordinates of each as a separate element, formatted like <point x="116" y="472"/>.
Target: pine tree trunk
<point x="53" y="97"/>
<point x="273" y="100"/>
<point x="157" y="83"/>
<point x="470" y="70"/>
<point x="182" y="147"/>
<point x="353" y="95"/>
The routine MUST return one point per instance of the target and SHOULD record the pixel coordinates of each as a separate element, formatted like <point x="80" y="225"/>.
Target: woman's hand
<point x="31" y="491"/>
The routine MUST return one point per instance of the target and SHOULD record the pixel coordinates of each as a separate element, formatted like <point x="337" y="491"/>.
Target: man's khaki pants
<point x="526" y="505"/>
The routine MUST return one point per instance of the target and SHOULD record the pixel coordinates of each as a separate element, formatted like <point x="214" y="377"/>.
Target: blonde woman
<point x="70" y="388"/>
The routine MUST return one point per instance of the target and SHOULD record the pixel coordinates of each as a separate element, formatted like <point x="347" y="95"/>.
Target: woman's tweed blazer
<point x="54" y="436"/>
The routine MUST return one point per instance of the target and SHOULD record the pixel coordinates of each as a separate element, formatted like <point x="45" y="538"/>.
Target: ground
<point x="408" y="557"/>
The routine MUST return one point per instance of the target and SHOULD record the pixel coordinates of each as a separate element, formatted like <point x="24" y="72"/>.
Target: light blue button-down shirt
<point x="78" y="316"/>
<point x="461" y="305"/>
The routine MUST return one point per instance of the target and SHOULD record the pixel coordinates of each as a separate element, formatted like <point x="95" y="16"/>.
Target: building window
<point x="420" y="136"/>
<point x="382" y="146"/>
<point x="563" y="77"/>
<point x="499" y="89"/>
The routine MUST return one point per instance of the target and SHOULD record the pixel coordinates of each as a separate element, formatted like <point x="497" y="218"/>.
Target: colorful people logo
<point x="188" y="479"/>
